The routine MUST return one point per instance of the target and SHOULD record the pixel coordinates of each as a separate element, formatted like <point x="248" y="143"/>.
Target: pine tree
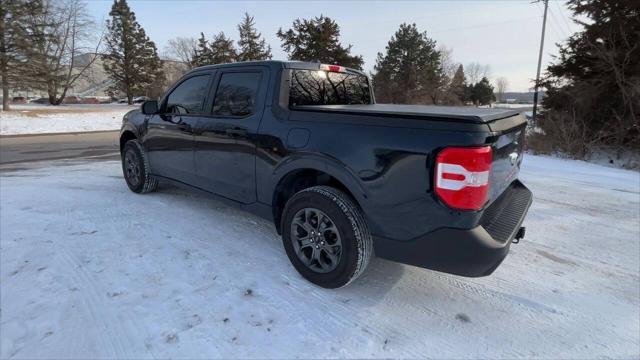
<point x="202" y="55"/>
<point x="132" y="59"/>
<point x="482" y="92"/>
<point x="457" y="86"/>
<point x="595" y="81"/>
<point x="151" y="67"/>
<point x="222" y="50"/>
<point x="318" y="40"/>
<point x="410" y="69"/>
<point x="251" y="44"/>
<point x="14" y="42"/>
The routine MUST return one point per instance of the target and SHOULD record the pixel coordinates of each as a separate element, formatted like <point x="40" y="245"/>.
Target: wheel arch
<point x="125" y="136"/>
<point x="311" y="173"/>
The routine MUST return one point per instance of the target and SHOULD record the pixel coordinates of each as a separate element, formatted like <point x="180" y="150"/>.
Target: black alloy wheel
<point x="135" y="168"/>
<point x="316" y="240"/>
<point x="131" y="168"/>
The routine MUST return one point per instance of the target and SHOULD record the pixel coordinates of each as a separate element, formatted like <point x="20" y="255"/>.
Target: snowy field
<point x="39" y="119"/>
<point x="514" y="106"/>
<point x="91" y="270"/>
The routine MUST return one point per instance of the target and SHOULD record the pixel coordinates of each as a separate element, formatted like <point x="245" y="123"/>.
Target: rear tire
<point x="135" y="168"/>
<point x="326" y="237"/>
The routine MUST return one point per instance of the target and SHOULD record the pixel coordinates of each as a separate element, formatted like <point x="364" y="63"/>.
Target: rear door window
<point x="236" y="94"/>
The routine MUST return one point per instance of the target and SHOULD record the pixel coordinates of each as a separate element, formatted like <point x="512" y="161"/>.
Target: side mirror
<point x="150" y="107"/>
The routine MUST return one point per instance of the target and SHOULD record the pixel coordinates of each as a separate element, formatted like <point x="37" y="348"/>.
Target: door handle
<point x="236" y="131"/>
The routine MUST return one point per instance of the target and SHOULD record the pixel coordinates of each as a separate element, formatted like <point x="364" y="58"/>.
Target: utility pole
<point x="535" y="93"/>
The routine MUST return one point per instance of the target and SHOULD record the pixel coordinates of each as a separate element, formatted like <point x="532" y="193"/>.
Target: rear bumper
<point x="468" y="252"/>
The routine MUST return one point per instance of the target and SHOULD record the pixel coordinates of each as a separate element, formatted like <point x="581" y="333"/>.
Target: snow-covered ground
<point x="90" y="270"/>
<point x="513" y="106"/>
<point x="39" y="119"/>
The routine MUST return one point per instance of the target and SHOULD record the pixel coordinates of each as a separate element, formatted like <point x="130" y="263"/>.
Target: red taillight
<point x="462" y="176"/>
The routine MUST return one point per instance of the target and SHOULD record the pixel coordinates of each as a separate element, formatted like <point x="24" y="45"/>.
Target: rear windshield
<point x="317" y="87"/>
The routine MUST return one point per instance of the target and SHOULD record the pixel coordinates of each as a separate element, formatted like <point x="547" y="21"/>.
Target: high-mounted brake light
<point x="332" y="68"/>
<point x="462" y="176"/>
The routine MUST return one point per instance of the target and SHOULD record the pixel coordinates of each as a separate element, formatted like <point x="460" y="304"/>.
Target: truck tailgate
<point x="508" y="151"/>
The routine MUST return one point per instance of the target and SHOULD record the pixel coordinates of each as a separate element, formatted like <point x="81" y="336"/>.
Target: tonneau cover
<point x="464" y="113"/>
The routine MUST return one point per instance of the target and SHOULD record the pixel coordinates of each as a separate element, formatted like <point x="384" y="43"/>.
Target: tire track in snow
<point x="119" y="334"/>
<point x="354" y="314"/>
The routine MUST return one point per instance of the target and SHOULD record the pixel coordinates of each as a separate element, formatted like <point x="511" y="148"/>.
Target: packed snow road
<point x="102" y="145"/>
<point x="90" y="270"/>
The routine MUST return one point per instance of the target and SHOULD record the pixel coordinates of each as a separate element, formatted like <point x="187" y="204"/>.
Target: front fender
<point x="129" y="127"/>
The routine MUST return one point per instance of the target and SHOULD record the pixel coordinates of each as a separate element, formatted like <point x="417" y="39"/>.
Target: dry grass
<point x="539" y="143"/>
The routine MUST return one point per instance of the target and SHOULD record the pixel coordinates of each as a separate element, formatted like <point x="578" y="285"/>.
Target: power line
<point x="433" y="14"/>
<point x="564" y="18"/>
<point x="558" y="31"/>
<point x="556" y="24"/>
<point x="555" y="29"/>
<point x="484" y="25"/>
<point x="553" y="24"/>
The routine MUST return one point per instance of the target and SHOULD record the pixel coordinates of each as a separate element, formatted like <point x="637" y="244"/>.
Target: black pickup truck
<point x="305" y="145"/>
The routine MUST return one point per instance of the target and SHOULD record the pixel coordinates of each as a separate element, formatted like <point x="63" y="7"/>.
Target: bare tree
<point x="448" y="68"/>
<point x="182" y="49"/>
<point x="447" y="64"/>
<point x="476" y="71"/>
<point x="501" y="87"/>
<point x="64" y="47"/>
<point x="614" y="55"/>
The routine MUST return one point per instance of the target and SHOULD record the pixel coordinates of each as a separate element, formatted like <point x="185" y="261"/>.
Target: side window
<point x="189" y="96"/>
<point x="236" y="94"/>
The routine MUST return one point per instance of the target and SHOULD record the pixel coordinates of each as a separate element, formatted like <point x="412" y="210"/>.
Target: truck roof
<point x="287" y="64"/>
<point x="462" y="113"/>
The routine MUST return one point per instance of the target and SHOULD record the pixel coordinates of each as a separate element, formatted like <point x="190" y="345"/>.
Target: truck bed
<point x="428" y="112"/>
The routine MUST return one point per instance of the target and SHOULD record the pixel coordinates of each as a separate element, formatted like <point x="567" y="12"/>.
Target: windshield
<point x="318" y="87"/>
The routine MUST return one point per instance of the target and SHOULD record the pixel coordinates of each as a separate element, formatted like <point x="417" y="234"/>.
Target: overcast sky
<point x="503" y="34"/>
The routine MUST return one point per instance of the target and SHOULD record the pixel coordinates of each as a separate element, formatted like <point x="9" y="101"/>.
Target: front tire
<point x="326" y="236"/>
<point x="135" y="168"/>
